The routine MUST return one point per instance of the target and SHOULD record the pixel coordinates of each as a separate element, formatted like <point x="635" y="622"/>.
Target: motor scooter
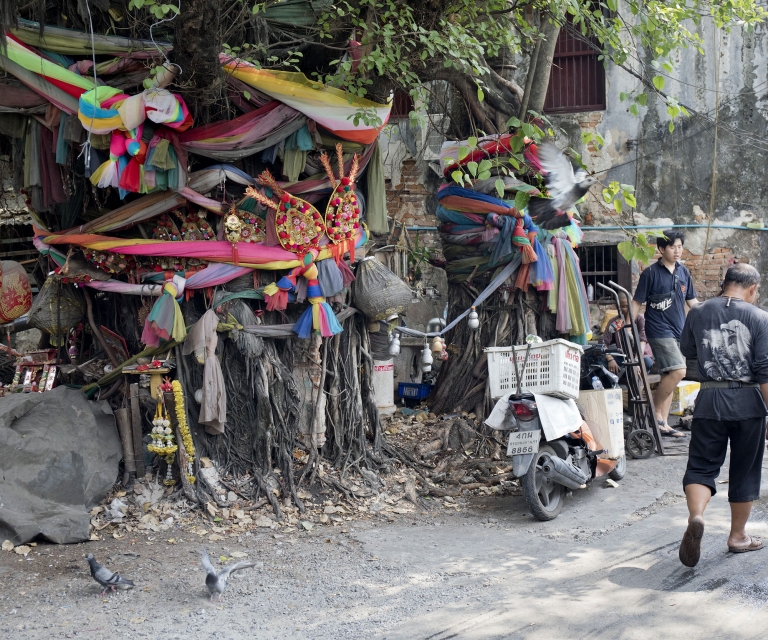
<point x="549" y="459"/>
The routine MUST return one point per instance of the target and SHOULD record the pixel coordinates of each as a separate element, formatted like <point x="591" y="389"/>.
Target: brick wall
<point x="407" y="203"/>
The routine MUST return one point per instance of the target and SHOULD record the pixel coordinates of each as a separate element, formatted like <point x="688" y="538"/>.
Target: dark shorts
<point x="709" y="443"/>
<point x="666" y="353"/>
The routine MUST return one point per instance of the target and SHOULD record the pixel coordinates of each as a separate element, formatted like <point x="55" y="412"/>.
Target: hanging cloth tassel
<point x="520" y="240"/>
<point x="165" y="321"/>
<point x="541" y="271"/>
<point x="319" y="316"/>
<point x="108" y="174"/>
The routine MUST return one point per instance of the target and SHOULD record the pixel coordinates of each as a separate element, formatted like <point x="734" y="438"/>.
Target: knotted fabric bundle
<point x="165" y="321"/>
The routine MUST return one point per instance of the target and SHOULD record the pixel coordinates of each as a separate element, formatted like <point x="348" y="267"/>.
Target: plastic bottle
<point x="590" y="292"/>
<point x="596" y="384"/>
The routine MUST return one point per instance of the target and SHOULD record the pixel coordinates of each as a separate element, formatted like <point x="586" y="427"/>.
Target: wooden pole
<point x="126" y="437"/>
<point x="138" y="448"/>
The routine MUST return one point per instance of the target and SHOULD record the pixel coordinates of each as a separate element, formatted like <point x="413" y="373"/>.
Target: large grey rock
<point x="59" y="456"/>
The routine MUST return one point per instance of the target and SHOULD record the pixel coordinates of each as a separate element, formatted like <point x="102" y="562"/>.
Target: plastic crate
<point x="553" y="369"/>
<point x="413" y="390"/>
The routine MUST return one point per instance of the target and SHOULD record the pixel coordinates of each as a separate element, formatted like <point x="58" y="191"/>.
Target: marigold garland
<point x="186" y="436"/>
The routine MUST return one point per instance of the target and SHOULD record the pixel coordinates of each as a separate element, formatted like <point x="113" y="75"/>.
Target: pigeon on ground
<point x="217" y="582"/>
<point x="566" y="184"/>
<point x="106" y="578"/>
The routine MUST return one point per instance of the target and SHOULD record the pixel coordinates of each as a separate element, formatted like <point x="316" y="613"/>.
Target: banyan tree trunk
<point x="462" y="384"/>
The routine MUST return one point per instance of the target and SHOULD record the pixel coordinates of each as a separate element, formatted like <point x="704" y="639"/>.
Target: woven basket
<point x="56" y="309"/>
<point x="379" y="293"/>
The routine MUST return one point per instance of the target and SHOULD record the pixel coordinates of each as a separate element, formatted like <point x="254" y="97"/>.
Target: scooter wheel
<point x="640" y="444"/>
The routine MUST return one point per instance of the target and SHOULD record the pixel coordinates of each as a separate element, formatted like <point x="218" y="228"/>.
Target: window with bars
<point x="402" y="104"/>
<point x="601" y="263"/>
<point x="577" y="79"/>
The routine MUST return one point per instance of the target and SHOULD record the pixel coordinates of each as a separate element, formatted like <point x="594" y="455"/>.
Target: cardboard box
<point x="605" y="415"/>
<point x="684" y="397"/>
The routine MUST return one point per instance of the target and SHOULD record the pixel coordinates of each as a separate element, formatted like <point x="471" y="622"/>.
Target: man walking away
<point x="729" y="335"/>
<point x="665" y="288"/>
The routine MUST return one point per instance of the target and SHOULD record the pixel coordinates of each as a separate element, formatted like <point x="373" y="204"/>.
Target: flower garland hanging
<point x="186" y="436"/>
<point x="163" y="441"/>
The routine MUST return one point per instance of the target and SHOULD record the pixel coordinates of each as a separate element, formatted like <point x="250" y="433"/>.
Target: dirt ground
<point x="403" y="572"/>
<point x="322" y="583"/>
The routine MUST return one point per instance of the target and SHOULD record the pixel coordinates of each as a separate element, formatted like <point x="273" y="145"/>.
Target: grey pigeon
<point x="106" y="578"/>
<point x="217" y="582"/>
<point x="566" y="184"/>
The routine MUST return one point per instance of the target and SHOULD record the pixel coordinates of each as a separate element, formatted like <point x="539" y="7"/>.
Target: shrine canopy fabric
<point x="78" y="43"/>
<point x="332" y="108"/>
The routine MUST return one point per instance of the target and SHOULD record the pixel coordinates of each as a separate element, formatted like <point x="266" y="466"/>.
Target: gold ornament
<point x="298" y="224"/>
<point x="342" y="215"/>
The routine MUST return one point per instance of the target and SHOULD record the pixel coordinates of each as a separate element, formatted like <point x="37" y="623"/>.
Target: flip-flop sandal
<point x="690" y="546"/>
<point x="755" y="544"/>
<point x="671" y="433"/>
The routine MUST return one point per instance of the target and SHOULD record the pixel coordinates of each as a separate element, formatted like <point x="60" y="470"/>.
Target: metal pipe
<point x="19" y="324"/>
<point x="673" y="226"/>
<point x="560" y="471"/>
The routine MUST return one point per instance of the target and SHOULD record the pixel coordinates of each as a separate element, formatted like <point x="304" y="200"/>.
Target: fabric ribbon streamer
<point x="319" y="316"/>
<point x="165" y="321"/>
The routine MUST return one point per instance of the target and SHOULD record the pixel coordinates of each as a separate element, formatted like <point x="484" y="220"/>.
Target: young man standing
<point x="665" y="288"/>
<point x="729" y="335"/>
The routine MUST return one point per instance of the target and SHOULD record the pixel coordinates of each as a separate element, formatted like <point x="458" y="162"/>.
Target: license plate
<point x="522" y="442"/>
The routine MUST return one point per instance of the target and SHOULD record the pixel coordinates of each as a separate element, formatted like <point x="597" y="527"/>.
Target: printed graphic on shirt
<point x="726" y="350"/>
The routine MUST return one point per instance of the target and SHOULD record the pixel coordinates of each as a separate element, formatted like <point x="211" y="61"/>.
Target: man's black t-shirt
<point x="731" y="343"/>
<point x="657" y="280"/>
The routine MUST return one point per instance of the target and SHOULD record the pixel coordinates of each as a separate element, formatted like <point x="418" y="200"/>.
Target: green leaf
<point x="668" y="66"/>
<point x="642" y="99"/>
<point x="463" y="153"/>
<point x="449" y="161"/>
<point x="472" y="142"/>
<point x="623" y="96"/>
<point x="613" y="5"/>
<point x="521" y="200"/>
<point x="485" y="165"/>
<point x="514" y="162"/>
<point x="633" y="109"/>
<point x="648" y="253"/>
<point x="528" y="130"/>
<point x="626" y="249"/>
<point x="499" y="184"/>
<point x="630" y="200"/>
<point x="483" y="175"/>
<point x="247" y="95"/>
<point x="607" y="195"/>
<point x="457" y="176"/>
<point x="618" y="205"/>
<point x="671" y="126"/>
<point x="658" y="82"/>
<point x="673" y="111"/>
<point x="472" y="166"/>
<point x="516" y="143"/>
<point x="480" y="94"/>
<point x="513" y="122"/>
